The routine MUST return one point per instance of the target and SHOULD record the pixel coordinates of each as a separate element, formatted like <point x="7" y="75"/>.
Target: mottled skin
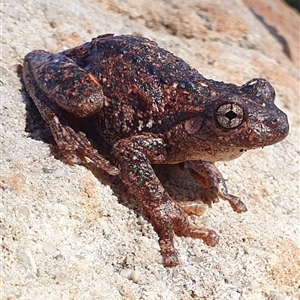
<point x="152" y="108"/>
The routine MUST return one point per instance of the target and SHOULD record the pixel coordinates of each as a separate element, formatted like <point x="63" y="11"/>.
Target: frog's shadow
<point x="178" y="183"/>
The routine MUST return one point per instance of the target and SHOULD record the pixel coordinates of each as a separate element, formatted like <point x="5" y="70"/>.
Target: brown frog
<point x="152" y="108"/>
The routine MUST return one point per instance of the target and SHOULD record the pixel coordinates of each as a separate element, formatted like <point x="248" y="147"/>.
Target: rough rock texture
<point x="72" y="233"/>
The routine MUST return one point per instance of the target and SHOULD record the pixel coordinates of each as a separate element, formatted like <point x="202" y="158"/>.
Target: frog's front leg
<point x="210" y="178"/>
<point x="58" y="86"/>
<point x="133" y="156"/>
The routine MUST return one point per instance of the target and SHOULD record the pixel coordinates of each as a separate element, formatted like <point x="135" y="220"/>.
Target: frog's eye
<point x="230" y="115"/>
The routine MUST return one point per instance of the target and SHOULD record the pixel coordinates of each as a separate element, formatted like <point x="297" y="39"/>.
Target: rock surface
<point x="69" y="233"/>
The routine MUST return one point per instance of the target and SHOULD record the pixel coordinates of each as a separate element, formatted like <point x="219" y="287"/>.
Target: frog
<point x="152" y="108"/>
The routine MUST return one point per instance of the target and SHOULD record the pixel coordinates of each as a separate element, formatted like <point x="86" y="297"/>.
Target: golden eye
<point x="230" y="115"/>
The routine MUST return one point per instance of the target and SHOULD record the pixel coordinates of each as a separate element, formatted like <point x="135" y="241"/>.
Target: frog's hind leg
<point x="72" y="88"/>
<point x="211" y="179"/>
<point x="133" y="157"/>
<point x="49" y="88"/>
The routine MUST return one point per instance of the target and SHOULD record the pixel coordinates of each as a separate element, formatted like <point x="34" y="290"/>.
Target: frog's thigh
<point x="133" y="157"/>
<point x="64" y="82"/>
<point x="73" y="146"/>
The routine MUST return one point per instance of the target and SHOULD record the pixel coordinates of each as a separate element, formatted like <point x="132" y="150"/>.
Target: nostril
<point x="274" y="121"/>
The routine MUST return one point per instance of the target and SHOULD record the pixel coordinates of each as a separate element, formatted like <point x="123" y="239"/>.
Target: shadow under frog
<point x="148" y="107"/>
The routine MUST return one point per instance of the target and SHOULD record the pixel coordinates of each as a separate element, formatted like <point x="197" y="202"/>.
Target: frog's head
<point x="243" y="118"/>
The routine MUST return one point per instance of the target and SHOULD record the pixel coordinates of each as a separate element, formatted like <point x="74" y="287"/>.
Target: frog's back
<point x="148" y="88"/>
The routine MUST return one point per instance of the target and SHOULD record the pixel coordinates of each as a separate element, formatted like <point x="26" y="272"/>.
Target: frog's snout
<point x="283" y="124"/>
<point x="278" y="127"/>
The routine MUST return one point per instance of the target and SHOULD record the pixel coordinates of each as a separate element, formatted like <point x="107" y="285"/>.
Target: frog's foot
<point x="133" y="157"/>
<point x="210" y="178"/>
<point x="167" y="219"/>
<point x="76" y="148"/>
